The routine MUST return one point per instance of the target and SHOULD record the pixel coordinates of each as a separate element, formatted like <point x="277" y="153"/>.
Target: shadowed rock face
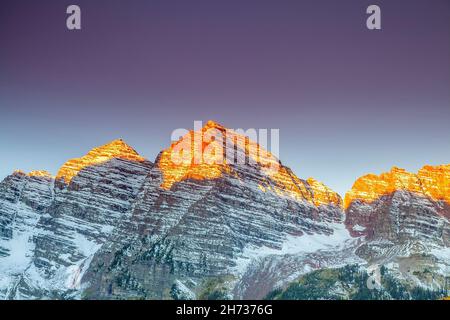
<point x="400" y="216"/>
<point x="23" y="199"/>
<point x="19" y="191"/>
<point x="198" y="229"/>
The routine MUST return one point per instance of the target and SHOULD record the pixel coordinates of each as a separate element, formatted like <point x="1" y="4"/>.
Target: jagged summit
<point x="40" y="173"/>
<point x="198" y="156"/>
<point x="213" y="124"/>
<point x="34" y="173"/>
<point x="116" y="149"/>
<point x="430" y="181"/>
<point x="401" y="207"/>
<point x="189" y="157"/>
<point x="119" y="145"/>
<point x="19" y="172"/>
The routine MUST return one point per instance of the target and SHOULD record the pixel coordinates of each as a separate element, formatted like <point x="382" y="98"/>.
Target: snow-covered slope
<point x="52" y="228"/>
<point x="23" y="200"/>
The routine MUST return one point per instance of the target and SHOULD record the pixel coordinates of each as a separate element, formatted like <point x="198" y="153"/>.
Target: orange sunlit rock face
<point x="183" y="161"/>
<point x="431" y="181"/>
<point x="116" y="149"/>
<point x="19" y="172"/>
<point x="189" y="158"/>
<point x="40" y="173"/>
<point x="284" y="182"/>
<point x="176" y="172"/>
<point x="322" y="194"/>
<point x="36" y="173"/>
<point x="202" y="155"/>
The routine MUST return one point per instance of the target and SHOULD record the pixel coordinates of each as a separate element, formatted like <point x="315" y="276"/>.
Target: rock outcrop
<point x="403" y="219"/>
<point x="400" y="206"/>
<point x="23" y="200"/>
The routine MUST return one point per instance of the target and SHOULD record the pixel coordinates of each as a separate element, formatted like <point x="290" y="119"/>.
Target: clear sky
<point x="348" y="101"/>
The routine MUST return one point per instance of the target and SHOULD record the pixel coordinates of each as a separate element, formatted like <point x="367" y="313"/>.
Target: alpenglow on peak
<point x="116" y="149"/>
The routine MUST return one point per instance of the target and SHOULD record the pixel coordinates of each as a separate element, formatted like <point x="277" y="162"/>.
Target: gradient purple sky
<point x="348" y="101"/>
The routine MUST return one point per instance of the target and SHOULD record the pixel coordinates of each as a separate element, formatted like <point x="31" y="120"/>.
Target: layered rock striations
<point x="71" y="221"/>
<point x="403" y="218"/>
<point x="216" y="211"/>
<point x="194" y="221"/>
<point x="400" y="205"/>
<point x="23" y="200"/>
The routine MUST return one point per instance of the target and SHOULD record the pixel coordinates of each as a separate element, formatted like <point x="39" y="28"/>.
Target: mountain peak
<point x="117" y="144"/>
<point x="214" y="162"/>
<point x="212" y="124"/>
<point x="430" y="181"/>
<point x="204" y="155"/>
<point x="116" y="149"/>
<point x="186" y="159"/>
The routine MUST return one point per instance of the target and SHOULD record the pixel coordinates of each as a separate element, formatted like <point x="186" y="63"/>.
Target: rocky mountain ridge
<point x="112" y="225"/>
